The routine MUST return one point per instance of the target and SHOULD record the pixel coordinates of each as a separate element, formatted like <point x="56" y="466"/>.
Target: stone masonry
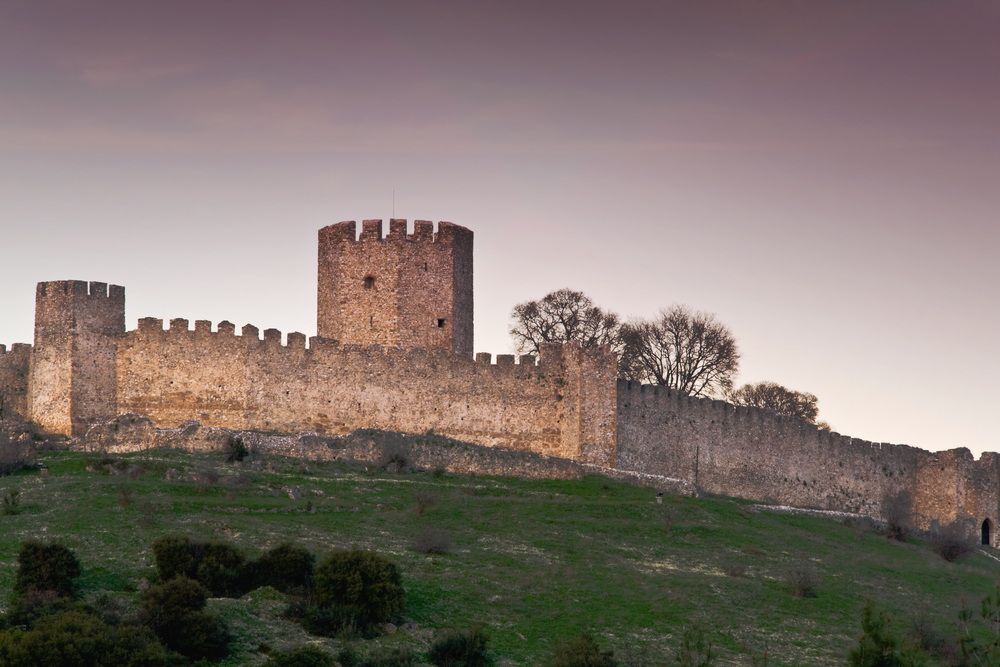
<point x="394" y="351"/>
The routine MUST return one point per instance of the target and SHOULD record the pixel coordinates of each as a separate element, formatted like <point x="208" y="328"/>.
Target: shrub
<point x="218" y="566"/>
<point x="125" y="495"/>
<point x="363" y="580"/>
<point x="46" y="567"/>
<point x="464" y="648"/>
<point x="696" y="647"/>
<point x="15" y="454"/>
<point x="878" y="645"/>
<point x="75" y="638"/>
<point x="394" y="657"/>
<point x="286" y="567"/>
<point x="951" y="542"/>
<point x="176" y="612"/>
<point x="581" y="652"/>
<point x="344" y="623"/>
<point x="174" y="557"/>
<point x="897" y="510"/>
<point x="395" y="458"/>
<point x="12" y="502"/>
<point x="221" y="569"/>
<point x="738" y="570"/>
<point x="803" y="580"/>
<point x="424" y="501"/>
<point x="431" y="540"/>
<point x="234" y="449"/>
<point x="306" y="656"/>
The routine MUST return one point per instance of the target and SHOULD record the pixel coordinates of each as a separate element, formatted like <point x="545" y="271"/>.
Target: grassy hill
<point x="536" y="561"/>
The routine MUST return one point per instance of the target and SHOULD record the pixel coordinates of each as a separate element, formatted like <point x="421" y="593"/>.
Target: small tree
<point x="362" y="580"/>
<point x="688" y="351"/>
<point x="286" y="567"/>
<point x="878" y="645"/>
<point x="176" y="612"/>
<point x="772" y="396"/>
<point x="560" y="317"/>
<point x="45" y="566"/>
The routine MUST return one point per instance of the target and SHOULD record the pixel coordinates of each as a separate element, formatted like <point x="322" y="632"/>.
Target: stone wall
<point x="562" y="406"/>
<point x="402" y="290"/>
<point x="759" y="455"/>
<point x="14" y="368"/>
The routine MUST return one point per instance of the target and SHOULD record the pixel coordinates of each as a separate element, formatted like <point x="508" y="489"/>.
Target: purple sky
<point x="823" y="175"/>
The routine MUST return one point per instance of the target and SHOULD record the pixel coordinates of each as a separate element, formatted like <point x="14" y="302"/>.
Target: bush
<point x="394" y="657"/>
<point x="581" y="652"/>
<point x="222" y="570"/>
<point x="696" y="647"/>
<point x="286" y="567"/>
<point x="176" y="612"/>
<point x="395" y="458"/>
<point x="46" y="567"/>
<point x="897" y="510"/>
<point x="951" y="542"/>
<point x="15" y="454"/>
<point x="234" y="449"/>
<point x="465" y="648"/>
<point x="424" y="501"/>
<point x="218" y="566"/>
<point x="803" y="580"/>
<point x="12" y="502"/>
<point x="335" y="621"/>
<point x="306" y="656"/>
<point x="76" y="638"/>
<point x="878" y="645"/>
<point x="363" y="580"/>
<point x="431" y="540"/>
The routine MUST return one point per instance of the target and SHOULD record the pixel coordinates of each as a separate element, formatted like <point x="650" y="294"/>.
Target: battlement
<point x="79" y="288"/>
<point x="344" y="233"/>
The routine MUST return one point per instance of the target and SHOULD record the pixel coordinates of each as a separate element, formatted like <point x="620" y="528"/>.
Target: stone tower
<point x="73" y="380"/>
<point x="399" y="291"/>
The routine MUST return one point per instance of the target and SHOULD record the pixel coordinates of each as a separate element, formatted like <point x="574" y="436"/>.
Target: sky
<point x="823" y="176"/>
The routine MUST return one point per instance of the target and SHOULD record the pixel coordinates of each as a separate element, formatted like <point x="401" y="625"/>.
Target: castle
<point x="394" y="351"/>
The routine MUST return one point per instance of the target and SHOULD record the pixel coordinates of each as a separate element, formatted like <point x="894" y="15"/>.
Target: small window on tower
<point x="369" y="282"/>
<point x="440" y="324"/>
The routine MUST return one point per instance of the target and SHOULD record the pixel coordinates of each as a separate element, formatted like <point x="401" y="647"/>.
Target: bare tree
<point x="560" y="317"/>
<point x="681" y="349"/>
<point x="772" y="396"/>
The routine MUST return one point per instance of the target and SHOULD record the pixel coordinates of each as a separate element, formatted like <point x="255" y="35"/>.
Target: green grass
<point x="538" y="559"/>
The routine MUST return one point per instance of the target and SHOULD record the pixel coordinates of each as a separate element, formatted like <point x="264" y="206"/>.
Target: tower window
<point x="440" y="324"/>
<point x="369" y="282"/>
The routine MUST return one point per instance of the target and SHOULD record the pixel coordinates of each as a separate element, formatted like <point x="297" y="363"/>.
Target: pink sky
<point x="824" y="175"/>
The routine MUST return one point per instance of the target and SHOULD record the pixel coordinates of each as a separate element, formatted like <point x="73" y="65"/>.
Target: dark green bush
<point x="218" y="566"/>
<point x="363" y="580"/>
<point x="286" y="567"/>
<point x="176" y="612"/>
<point x="174" y="557"/>
<point x="75" y="638"/>
<point x="581" y="652"/>
<point x="461" y="648"/>
<point x="235" y="449"/>
<point x="12" y="502"/>
<point x="307" y="656"/>
<point x="328" y="621"/>
<point x="46" y="566"/>
<point x="221" y="569"/>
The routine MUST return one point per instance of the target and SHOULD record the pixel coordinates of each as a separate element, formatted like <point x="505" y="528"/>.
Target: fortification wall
<point x="562" y="406"/>
<point x="401" y="290"/>
<point x="757" y="454"/>
<point x="14" y="368"/>
<point x="72" y="379"/>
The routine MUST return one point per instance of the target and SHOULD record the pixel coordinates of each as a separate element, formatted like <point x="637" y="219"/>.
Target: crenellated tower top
<point x="403" y="290"/>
